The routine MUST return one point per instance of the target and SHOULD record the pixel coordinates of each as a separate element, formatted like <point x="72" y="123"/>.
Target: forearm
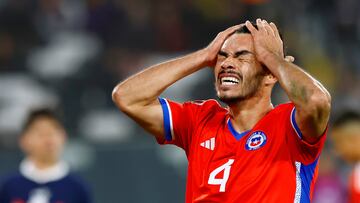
<point x="301" y="88"/>
<point x="311" y="99"/>
<point x="145" y="87"/>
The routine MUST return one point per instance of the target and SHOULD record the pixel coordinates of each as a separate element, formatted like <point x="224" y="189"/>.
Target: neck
<point x="246" y="113"/>
<point x="43" y="164"/>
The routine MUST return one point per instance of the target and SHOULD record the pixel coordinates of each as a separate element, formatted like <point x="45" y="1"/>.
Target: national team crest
<point x="256" y="140"/>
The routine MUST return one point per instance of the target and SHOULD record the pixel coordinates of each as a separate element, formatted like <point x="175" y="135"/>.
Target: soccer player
<point x="43" y="177"/>
<point x="249" y="151"/>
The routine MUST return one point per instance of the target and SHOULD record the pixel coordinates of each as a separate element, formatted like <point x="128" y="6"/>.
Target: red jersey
<point x="354" y="189"/>
<point x="269" y="163"/>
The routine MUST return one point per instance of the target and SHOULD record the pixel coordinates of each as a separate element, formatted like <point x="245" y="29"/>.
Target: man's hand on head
<point x="212" y="50"/>
<point x="267" y="40"/>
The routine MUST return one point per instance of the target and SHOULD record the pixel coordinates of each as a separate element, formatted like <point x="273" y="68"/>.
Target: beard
<point x="249" y="88"/>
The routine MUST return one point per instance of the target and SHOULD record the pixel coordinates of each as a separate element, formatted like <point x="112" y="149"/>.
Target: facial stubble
<point x="250" y="87"/>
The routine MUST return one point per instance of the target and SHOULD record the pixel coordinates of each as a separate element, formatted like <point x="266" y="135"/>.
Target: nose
<point x="227" y="64"/>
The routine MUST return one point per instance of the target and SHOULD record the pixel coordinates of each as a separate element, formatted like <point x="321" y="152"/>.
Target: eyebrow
<point x="237" y="54"/>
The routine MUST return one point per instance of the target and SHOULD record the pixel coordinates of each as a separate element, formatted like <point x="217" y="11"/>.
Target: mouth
<point x="229" y="78"/>
<point x="229" y="81"/>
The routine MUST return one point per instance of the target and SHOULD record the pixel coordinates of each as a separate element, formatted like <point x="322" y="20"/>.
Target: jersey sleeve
<point x="302" y="151"/>
<point x="180" y="120"/>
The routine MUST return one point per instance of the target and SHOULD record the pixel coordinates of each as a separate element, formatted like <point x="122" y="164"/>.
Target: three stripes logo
<point x="209" y="144"/>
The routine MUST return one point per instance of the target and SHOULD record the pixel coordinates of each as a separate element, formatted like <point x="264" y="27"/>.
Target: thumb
<point x="289" y="59"/>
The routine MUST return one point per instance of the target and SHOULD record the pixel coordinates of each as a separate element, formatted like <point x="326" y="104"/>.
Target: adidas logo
<point x="209" y="144"/>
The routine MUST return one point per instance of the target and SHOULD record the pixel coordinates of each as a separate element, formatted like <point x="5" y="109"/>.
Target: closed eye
<point x="222" y="54"/>
<point x="242" y="53"/>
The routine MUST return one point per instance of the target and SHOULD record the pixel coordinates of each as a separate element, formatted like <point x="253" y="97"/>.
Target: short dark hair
<point x="36" y="114"/>
<point x="346" y="117"/>
<point x="245" y="30"/>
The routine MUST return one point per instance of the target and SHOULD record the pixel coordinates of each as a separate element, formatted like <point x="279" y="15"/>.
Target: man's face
<point x="238" y="74"/>
<point x="44" y="139"/>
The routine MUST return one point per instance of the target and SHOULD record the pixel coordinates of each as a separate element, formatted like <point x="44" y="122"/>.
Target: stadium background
<point x="69" y="54"/>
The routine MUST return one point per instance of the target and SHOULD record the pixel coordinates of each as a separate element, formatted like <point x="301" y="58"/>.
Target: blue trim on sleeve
<point x="294" y="124"/>
<point x="307" y="175"/>
<point x="237" y="135"/>
<point x="166" y="116"/>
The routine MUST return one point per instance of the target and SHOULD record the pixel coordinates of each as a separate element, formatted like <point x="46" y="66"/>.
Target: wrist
<point x="205" y="58"/>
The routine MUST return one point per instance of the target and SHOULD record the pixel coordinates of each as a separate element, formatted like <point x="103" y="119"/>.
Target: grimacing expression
<point x="238" y="74"/>
<point x="44" y="139"/>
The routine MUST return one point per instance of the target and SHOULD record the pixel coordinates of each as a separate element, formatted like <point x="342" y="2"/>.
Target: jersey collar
<point x="54" y="173"/>
<point x="237" y="135"/>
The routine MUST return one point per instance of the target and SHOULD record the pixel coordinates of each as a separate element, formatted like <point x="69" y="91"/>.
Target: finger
<point x="260" y="25"/>
<point x="222" y="36"/>
<point x="274" y="28"/>
<point x="231" y="30"/>
<point x="289" y="59"/>
<point x="258" y="21"/>
<point x="268" y="28"/>
<point x="250" y="27"/>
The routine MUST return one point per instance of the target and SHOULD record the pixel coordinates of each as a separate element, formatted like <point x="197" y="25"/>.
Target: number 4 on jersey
<point x="221" y="181"/>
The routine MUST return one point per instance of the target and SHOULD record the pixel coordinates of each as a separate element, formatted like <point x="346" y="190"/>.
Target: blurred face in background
<point x="238" y="74"/>
<point x="43" y="140"/>
<point x="346" y="140"/>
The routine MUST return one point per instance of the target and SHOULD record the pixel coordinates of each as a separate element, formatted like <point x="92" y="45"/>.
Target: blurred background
<point x="69" y="54"/>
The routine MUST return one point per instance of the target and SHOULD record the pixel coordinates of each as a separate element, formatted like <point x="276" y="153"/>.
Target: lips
<point x="229" y="78"/>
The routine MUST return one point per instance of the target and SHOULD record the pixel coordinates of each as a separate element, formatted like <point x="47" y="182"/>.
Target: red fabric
<point x="265" y="174"/>
<point x="354" y="196"/>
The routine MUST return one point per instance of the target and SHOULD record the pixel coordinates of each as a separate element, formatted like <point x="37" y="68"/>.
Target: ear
<point x="270" y="79"/>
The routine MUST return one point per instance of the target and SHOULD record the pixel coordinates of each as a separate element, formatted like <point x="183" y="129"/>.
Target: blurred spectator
<point x="346" y="137"/>
<point x="43" y="177"/>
